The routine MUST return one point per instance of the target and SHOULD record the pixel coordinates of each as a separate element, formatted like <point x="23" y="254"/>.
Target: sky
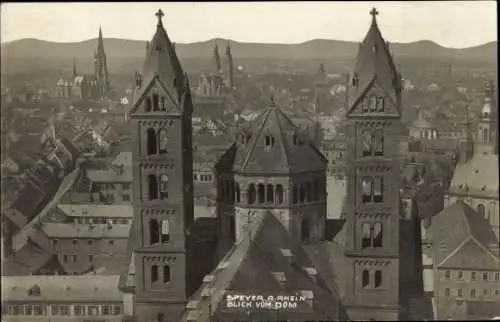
<point x="456" y="24"/>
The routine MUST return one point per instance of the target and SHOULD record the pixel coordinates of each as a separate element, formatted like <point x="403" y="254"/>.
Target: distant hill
<point x="314" y="49"/>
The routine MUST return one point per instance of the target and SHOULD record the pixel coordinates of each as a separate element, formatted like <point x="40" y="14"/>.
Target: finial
<point x="160" y="15"/>
<point x="374" y="13"/>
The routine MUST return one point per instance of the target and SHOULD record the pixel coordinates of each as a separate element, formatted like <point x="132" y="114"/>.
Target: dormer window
<point x="269" y="141"/>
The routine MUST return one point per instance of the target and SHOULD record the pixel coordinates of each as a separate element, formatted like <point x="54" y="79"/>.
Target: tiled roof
<point x="483" y="309"/>
<point x="25" y="261"/>
<point x="111" y="175"/>
<point x="70" y="230"/>
<point x="62" y="288"/>
<point x="262" y="253"/>
<point x="97" y="210"/>
<point x="469" y="243"/>
<point x="284" y="156"/>
<point x="479" y="175"/>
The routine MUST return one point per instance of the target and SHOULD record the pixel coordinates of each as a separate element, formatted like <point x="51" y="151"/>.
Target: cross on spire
<point x="160" y="15"/>
<point x="374" y="12"/>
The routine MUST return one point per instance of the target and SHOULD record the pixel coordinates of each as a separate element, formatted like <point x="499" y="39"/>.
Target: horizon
<point x="468" y="23"/>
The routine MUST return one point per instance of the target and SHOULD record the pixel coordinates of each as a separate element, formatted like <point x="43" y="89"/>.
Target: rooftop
<point x="94" y="231"/>
<point x="96" y="210"/>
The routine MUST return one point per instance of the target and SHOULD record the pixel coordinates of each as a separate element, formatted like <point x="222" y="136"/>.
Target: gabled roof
<point x="253" y="266"/>
<point x="480" y="175"/>
<point x="161" y="67"/>
<point x="283" y="156"/>
<point x="375" y="66"/>
<point x="471" y="238"/>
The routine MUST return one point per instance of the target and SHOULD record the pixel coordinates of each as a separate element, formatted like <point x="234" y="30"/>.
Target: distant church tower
<point x="101" y="69"/>
<point x="321" y="91"/>
<point x="487" y="135"/>
<point x="163" y="183"/>
<point x="217" y="62"/>
<point x="375" y="266"/>
<point x="229" y="68"/>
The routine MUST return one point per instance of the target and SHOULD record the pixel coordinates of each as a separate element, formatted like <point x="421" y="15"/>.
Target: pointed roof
<point x="100" y="44"/>
<point x="228" y="48"/>
<point x="291" y="150"/>
<point x="374" y="63"/>
<point x="161" y="63"/>
<point x="217" y="57"/>
<point x="246" y="269"/>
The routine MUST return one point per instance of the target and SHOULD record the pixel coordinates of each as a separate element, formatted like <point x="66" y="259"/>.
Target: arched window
<point x="152" y="187"/>
<point x="154" y="236"/>
<point x="373" y="103"/>
<point x="238" y="192"/>
<point x="367" y="144"/>
<point x="365" y="105"/>
<point x="163" y="103"/>
<point x="295" y="194"/>
<point x="380" y="104"/>
<point x="270" y="194"/>
<point x="163" y="186"/>
<point x="166" y="274"/>
<point x="485" y="135"/>
<point x="367" y="186"/>
<point x="304" y="229"/>
<point x="481" y="210"/>
<point x="279" y="194"/>
<point x="165" y="231"/>
<point x="302" y="193"/>
<point x="251" y="194"/>
<point x="147" y="104"/>
<point x="378" y="190"/>
<point x="309" y="192"/>
<point x="222" y="191"/>
<point x="379" y="143"/>
<point x="156" y="103"/>
<point x="378" y="278"/>
<point x="269" y="141"/>
<point x="154" y="274"/>
<point x="366" y="235"/>
<point x="365" y="278"/>
<point x="261" y="193"/>
<point x="163" y="140"/>
<point x="377" y="234"/>
<point x="151" y="142"/>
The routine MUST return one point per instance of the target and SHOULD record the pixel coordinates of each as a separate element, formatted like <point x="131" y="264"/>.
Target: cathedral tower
<point x="217" y="59"/>
<point x="229" y="68"/>
<point x="101" y="68"/>
<point x="372" y="248"/>
<point x="163" y="183"/>
<point x="487" y="136"/>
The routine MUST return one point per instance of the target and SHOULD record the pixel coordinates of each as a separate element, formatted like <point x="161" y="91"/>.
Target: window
<point x="238" y="193"/>
<point x="367" y="144"/>
<point x="380" y="104"/>
<point x="28" y="310"/>
<point x="379" y="143"/>
<point x="166" y="274"/>
<point x="92" y="310"/>
<point x="111" y="242"/>
<point x="480" y="210"/>
<point x="270" y="194"/>
<point x="473" y="293"/>
<point x="147" y="104"/>
<point x="309" y="192"/>
<point x="15" y="309"/>
<point x="125" y="197"/>
<point x="302" y="193"/>
<point x="156" y="105"/>
<point x="295" y="194"/>
<point x="117" y="310"/>
<point x="485" y="291"/>
<point x="295" y="139"/>
<point x="60" y="310"/>
<point x="377" y="234"/>
<point x="365" y="278"/>
<point x="269" y="141"/>
<point x="163" y="141"/>
<point x="473" y="276"/>
<point x="447" y="275"/>
<point x="460" y="275"/>
<point x="74" y="241"/>
<point x="279" y="194"/>
<point x="232" y="196"/>
<point x="373" y="103"/>
<point x="497" y="276"/>
<point x="165" y="231"/>
<point x="304" y="229"/>
<point x="378" y="187"/>
<point x="91" y="258"/>
<point x="485" y="276"/>
<point x="447" y="292"/>
<point x="151" y="142"/>
<point x="163" y="186"/>
<point x="79" y="310"/>
<point x="251" y="194"/>
<point x="54" y="242"/>
<point x="154" y="274"/>
<point x="153" y="187"/>
<point x="261" y="193"/>
<point x="65" y="259"/>
<point x="497" y="292"/>
<point x="163" y="103"/>
<point x="75" y="259"/>
<point x="154" y="232"/>
<point x="459" y="292"/>
<point x="106" y="309"/>
<point x="378" y="278"/>
<point x="367" y="186"/>
<point x="39" y="310"/>
<point x="126" y="186"/>
<point x="195" y="177"/>
<point x="366" y="239"/>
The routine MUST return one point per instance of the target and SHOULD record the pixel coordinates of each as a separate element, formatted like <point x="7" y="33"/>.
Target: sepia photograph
<point x="249" y="161"/>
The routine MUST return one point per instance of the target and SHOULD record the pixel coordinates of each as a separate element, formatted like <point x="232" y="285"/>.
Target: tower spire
<point x="217" y="58"/>
<point x="374" y="13"/>
<point x="160" y="15"/>
<point x="74" y="69"/>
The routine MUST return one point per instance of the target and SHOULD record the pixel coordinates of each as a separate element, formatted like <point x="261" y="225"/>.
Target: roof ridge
<point x="283" y="141"/>
<point x="485" y="248"/>
<point x="256" y="133"/>
<point x="455" y="250"/>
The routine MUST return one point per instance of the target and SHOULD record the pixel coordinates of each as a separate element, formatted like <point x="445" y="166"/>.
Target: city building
<point x="61" y="298"/>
